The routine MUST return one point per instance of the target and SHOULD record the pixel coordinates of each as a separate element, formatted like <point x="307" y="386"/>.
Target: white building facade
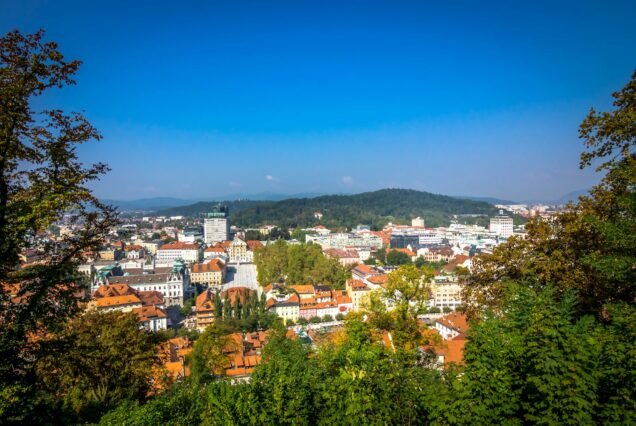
<point x="502" y="225"/>
<point x="169" y="253"/>
<point x="173" y="283"/>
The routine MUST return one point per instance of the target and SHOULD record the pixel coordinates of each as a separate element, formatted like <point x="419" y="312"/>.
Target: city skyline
<point x="203" y="101"/>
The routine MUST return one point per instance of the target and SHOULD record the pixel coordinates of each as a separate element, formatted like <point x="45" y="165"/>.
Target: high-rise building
<point x="216" y="227"/>
<point x="501" y="225"/>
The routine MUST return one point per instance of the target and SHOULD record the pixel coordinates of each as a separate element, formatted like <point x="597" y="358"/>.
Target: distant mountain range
<point x="572" y="196"/>
<point x="147" y="204"/>
<point x="373" y="208"/>
<point x="489" y="200"/>
<point x="567" y="198"/>
<point x="279" y="208"/>
<point x="268" y="196"/>
<point x="161" y="203"/>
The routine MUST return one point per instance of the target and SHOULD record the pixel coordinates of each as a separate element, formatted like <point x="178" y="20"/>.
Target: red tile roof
<point x="405" y="251"/>
<point x="151" y="298"/>
<point x="214" y="265"/>
<point x="113" y="290"/>
<point x="112" y="301"/>
<point x="146" y="313"/>
<point x="357" y="284"/>
<point x="254" y="244"/>
<point x="303" y="289"/>
<point x="179" y="246"/>
<point x="456" y="321"/>
<point x="342" y="254"/>
<point x="205" y="302"/>
<point x="378" y="279"/>
<point x="240" y="292"/>
<point x="365" y="269"/>
<point x="214" y="249"/>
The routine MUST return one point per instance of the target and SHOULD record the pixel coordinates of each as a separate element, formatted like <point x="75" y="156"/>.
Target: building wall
<point x="286" y="312"/>
<point x="502" y="225"/>
<point x="156" y="324"/>
<point x="215" y="230"/>
<point x="121" y="308"/>
<point x="447" y="295"/>
<point x="446" y="332"/>
<point x="167" y="257"/>
<point x="207" y="277"/>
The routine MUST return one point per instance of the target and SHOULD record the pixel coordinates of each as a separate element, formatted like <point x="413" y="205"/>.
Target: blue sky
<point x="197" y="99"/>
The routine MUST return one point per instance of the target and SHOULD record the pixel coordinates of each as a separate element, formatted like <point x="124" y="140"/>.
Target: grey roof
<point x="140" y="279"/>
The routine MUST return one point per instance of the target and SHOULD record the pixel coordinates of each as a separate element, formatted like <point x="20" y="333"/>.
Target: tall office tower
<point x="216" y="227"/>
<point x="502" y="225"/>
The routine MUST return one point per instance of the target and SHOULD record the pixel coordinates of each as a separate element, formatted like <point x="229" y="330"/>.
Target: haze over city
<point x="204" y="99"/>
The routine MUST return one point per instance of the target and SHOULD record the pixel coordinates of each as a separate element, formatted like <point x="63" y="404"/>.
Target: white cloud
<point x="271" y="178"/>
<point x="347" y="180"/>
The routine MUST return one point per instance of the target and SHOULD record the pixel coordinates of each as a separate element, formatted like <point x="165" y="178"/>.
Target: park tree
<point x="409" y="284"/>
<point x="298" y="264"/>
<point x="227" y="306"/>
<point x="218" y="305"/>
<point x="41" y="180"/>
<point x="237" y="309"/>
<point x="299" y="234"/>
<point x="397" y="258"/>
<point x="253" y="234"/>
<point x="407" y="289"/>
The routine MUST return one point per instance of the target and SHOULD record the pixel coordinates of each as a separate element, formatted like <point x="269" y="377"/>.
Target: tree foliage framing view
<point x="552" y="337"/>
<point x="42" y="181"/>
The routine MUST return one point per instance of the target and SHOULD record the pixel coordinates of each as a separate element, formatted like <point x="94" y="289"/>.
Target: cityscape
<point x="377" y="238"/>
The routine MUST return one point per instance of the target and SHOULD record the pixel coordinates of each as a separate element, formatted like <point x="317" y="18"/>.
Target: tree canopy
<point x="98" y="361"/>
<point x="297" y="264"/>
<point x="591" y="247"/>
<point x="42" y="181"/>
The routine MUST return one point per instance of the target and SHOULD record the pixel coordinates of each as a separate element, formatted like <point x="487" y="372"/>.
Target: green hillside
<point x="372" y="208"/>
<point x="197" y="209"/>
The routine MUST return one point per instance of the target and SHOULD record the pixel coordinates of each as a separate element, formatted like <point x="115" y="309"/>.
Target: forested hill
<point x="372" y="208"/>
<point x="201" y="207"/>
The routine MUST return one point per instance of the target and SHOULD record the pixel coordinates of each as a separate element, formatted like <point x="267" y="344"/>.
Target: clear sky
<point x="197" y="99"/>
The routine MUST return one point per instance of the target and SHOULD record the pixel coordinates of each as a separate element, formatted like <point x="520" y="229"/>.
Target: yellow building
<point x="287" y="309"/>
<point x="107" y="255"/>
<point x="205" y="310"/>
<point x="212" y="272"/>
<point x="358" y="292"/>
<point x="238" y="250"/>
